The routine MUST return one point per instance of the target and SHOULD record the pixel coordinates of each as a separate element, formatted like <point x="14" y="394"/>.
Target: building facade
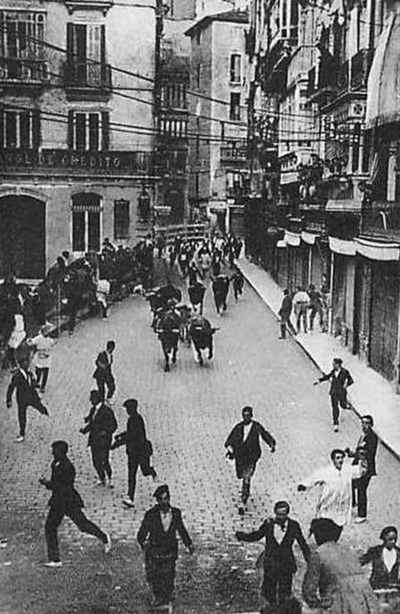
<point x="77" y="129"/>
<point x="332" y="216"/>
<point x="218" y="118"/>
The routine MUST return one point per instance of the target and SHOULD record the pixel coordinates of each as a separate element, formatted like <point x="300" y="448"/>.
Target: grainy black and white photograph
<point x="199" y="306"/>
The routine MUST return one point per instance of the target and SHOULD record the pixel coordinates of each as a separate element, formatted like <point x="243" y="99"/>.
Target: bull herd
<point x="173" y="321"/>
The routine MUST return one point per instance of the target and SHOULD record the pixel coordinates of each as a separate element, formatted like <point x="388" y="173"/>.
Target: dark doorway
<point x="22" y="237"/>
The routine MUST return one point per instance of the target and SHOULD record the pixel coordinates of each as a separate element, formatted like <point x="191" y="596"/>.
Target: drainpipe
<point x="330" y="317"/>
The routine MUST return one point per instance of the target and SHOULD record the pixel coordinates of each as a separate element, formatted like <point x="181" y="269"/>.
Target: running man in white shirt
<point x="335" y="481"/>
<point x="43" y="344"/>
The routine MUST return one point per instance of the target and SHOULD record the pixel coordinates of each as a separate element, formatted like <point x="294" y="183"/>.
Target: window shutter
<point x="1" y="128"/>
<point x="70" y="42"/>
<point x="94" y="140"/>
<point x="103" y="44"/>
<point x="105" y="132"/>
<point x="36" y="129"/>
<point x="70" y="129"/>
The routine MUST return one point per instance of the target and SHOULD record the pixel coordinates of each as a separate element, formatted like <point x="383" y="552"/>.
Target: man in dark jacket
<point x="157" y="536"/>
<point x="285" y="313"/>
<point x="25" y="385"/>
<point x="366" y="447"/>
<point x="279" y="563"/>
<point x="103" y="373"/>
<point x="340" y="380"/>
<point x="243" y="445"/>
<point x="65" y="501"/>
<point x="138" y="449"/>
<point x="101" y="424"/>
<point x="220" y="288"/>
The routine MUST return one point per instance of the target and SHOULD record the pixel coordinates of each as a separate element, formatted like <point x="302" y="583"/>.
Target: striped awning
<point x="378" y="250"/>
<point x="342" y="246"/>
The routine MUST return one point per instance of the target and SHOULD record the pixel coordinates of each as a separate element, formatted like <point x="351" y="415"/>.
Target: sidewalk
<point x="370" y="393"/>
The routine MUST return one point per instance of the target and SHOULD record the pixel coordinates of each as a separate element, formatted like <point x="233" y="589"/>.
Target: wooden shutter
<point x="1" y="127"/>
<point x="94" y="140"/>
<point x="105" y="131"/>
<point x="70" y="42"/>
<point x="70" y="129"/>
<point x="36" y="129"/>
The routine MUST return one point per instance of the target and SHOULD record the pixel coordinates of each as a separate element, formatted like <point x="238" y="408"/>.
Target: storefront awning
<point x="384" y="77"/>
<point x="377" y="250"/>
<point x="292" y="238"/>
<point x="343" y="205"/>
<point x="341" y="246"/>
<point x="309" y="237"/>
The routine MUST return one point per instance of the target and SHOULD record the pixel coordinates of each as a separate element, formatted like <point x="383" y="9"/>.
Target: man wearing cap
<point x="65" y="501"/>
<point x="100" y="424"/>
<point x="24" y="384"/>
<point x="138" y="449"/>
<point x="157" y="536"/>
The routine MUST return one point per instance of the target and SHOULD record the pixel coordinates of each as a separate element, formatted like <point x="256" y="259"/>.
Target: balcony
<point x="352" y="75"/>
<point x="172" y="163"/>
<point x="322" y="79"/>
<point x="381" y="220"/>
<point x="314" y="217"/>
<point x="233" y="155"/>
<point x="87" y="80"/>
<point x="25" y="73"/>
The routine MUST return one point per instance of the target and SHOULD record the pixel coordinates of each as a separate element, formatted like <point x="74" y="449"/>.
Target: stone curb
<point x="310" y="356"/>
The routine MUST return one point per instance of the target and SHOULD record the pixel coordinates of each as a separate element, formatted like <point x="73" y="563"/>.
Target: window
<point x="121" y="219"/>
<point x="234" y="109"/>
<point x="235" y="71"/>
<point x="86" y="53"/>
<point x="198" y="37"/>
<point x="88" y="131"/>
<point x="19" y="129"/>
<point x="86" y="222"/>
<point x="198" y="75"/>
<point x="174" y="95"/>
<point x="20" y="39"/>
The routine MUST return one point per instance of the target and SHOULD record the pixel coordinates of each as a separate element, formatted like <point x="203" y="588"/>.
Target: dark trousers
<point x="277" y="588"/>
<point x="286" y="323"/>
<point x="73" y="307"/>
<point x="302" y="316"/>
<point x="42" y="374"/>
<point x="336" y="401"/>
<point x="37" y="404"/>
<point x="220" y="303"/>
<point x="101" y="461"/>
<point x="53" y="521"/>
<point x="134" y="462"/>
<point x="103" y="381"/>
<point x="360" y="488"/>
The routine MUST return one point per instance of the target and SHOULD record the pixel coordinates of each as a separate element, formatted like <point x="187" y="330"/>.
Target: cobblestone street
<point x="188" y="413"/>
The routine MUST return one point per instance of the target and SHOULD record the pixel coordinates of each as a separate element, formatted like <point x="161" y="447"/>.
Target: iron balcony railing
<point x="23" y="70"/>
<point x="87" y="75"/>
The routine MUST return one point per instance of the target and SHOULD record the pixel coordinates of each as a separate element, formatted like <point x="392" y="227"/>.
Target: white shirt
<point x="389" y="558"/>
<point x="279" y="532"/>
<point x="43" y="351"/>
<point x="246" y="430"/>
<point x="166" y="519"/>
<point x="335" y="496"/>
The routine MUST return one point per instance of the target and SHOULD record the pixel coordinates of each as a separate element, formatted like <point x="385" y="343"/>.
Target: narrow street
<point x="188" y="413"/>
